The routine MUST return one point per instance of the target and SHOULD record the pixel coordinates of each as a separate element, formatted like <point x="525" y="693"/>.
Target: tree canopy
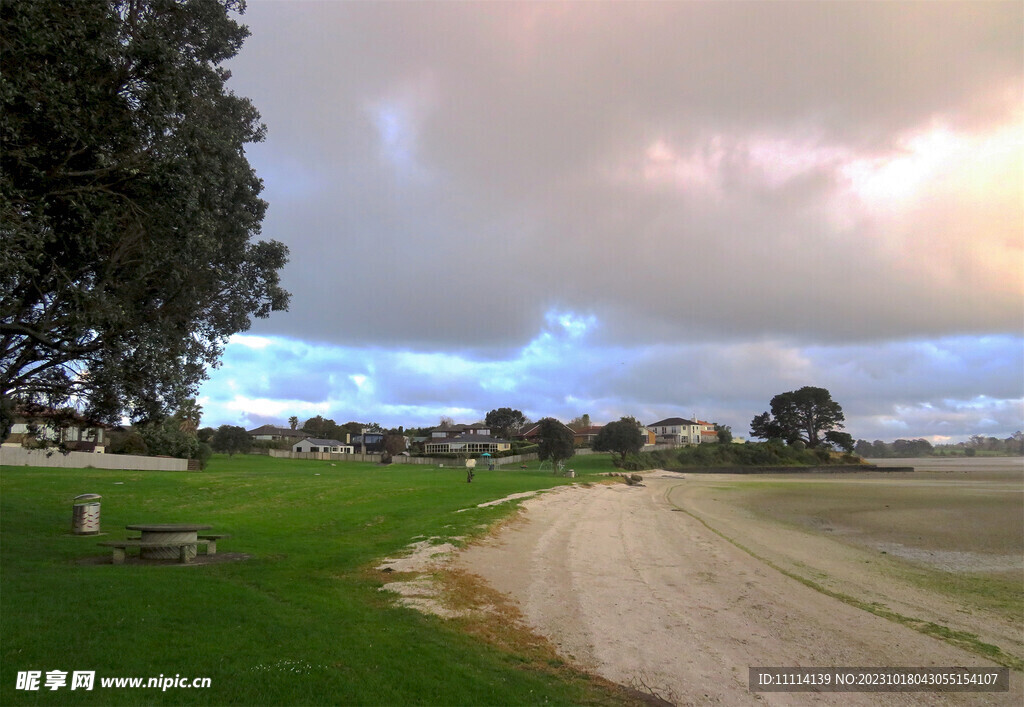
<point x="579" y="422"/>
<point x="621" y="437"/>
<point x="506" y="422"/>
<point x="231" y="439"/>
<point x="800" y="415"/>
<point x="556" y="442"/>
<point x="127" y="205"/>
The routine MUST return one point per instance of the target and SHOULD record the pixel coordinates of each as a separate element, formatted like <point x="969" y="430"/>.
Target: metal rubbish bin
<point x="85" y="514"/>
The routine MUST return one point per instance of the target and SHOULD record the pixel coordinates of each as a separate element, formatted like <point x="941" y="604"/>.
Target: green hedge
<point x="771" y="453"/>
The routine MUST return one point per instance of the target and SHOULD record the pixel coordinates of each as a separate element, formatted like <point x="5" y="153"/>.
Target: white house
<point x="467" y="444"/>
<point x="324" y="446"/>
<point x="676" y="430"/>
<point x="76" y="433"/>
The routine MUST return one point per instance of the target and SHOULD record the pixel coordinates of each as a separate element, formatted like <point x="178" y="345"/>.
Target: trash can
<point x="85" y="514"/>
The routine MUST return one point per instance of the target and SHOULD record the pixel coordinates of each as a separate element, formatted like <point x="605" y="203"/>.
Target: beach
<point x="669" y="589"/>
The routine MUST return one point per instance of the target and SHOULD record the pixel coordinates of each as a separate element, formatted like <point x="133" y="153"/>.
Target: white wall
<point x="19" y="456"/>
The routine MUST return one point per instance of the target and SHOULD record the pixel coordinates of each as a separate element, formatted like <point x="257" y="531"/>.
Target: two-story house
<point x="464" y="439"/>
<point x="676" y="430"/>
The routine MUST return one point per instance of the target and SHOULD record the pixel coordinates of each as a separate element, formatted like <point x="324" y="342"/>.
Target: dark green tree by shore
<point x="622" y="437"/>
<point x="805" y="415"/>
<point x="556" y="442"/>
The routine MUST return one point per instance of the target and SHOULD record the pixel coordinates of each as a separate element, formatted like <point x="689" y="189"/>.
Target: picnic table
<point x="172" y="534"/>
<point x="165" y="541"/>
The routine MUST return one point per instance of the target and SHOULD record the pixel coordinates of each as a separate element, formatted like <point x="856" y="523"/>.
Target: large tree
<point x="231" y="439"/>
<point x="621" y="437"/>
<point x="556" y="442"/>
<point x="803" y="415"/>
<point x="320" y="428"/>
<point x="506" y="422"/>
<point x="127" y="205"/>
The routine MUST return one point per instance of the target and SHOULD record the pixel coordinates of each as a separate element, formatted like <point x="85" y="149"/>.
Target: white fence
<point x="375" y="458"/>
<point x="19" y="456"/>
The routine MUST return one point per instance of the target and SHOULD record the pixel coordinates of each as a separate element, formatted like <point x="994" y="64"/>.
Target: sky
<point x="650" y="209"/>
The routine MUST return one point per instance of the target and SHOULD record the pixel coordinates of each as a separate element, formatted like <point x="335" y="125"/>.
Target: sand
<point x="632" y="584"/>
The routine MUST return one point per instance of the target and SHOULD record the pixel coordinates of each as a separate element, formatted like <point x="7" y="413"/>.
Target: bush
<point x="641" y="461"/>
<point x="203" y="454"/>
<point x="771" y="453"/>
<point x="634" y="462"/>
<point x="127" y="442"/>
<point x="284" y="445"/>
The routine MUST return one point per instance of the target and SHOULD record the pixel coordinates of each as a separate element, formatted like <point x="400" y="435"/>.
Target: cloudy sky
<point x="653" y="209"/>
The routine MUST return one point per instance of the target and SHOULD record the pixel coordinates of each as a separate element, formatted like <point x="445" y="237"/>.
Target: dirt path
<point x="629" y="587"/>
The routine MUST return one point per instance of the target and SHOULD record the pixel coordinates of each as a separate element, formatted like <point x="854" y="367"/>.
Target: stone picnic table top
<point x="168" y="527"/>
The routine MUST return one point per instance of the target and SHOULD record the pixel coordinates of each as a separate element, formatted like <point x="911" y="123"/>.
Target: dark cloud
<point x="444" y="173"/>
<point x="744" y="197"/>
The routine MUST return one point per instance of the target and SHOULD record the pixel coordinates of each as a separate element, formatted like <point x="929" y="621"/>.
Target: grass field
<point x="299" y="622"/>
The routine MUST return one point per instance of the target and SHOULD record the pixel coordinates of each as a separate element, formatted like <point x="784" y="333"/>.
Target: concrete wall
<point x="19" y="456"/>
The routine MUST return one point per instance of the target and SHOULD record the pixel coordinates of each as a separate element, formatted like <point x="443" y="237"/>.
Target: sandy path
<point x="628" y="587"/>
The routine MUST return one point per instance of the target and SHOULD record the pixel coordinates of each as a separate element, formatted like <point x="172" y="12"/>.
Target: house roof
<point x="282" y="431"/>
<point x="591" y="430"/>
<point x="672" y="421"/>
<point x="461" y="428"/>
<point x="534" y="429"/>
<point x="323" y="442"/>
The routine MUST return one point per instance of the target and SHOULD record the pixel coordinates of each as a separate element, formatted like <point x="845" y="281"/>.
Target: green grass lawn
<point x="300" y="622"/>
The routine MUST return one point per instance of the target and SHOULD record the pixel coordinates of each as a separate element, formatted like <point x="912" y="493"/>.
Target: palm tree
<point x="188" y="416"/>
<point x="293" y="421"/>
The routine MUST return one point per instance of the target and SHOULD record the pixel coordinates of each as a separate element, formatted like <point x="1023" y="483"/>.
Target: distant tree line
<point x="978" y="444"/>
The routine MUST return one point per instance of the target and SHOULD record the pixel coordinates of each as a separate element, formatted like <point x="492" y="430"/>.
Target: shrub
<point x="203" y="454"/>
<point x="128" y="443"/>
<point x="633" y="462"/>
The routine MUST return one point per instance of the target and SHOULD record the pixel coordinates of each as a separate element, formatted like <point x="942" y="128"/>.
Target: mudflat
<point x="678" y="586"/>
